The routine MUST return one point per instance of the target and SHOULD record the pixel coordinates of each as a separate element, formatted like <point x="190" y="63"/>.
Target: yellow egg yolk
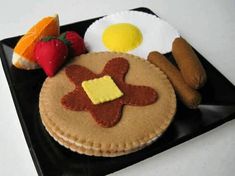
<point x="122" y="37"/>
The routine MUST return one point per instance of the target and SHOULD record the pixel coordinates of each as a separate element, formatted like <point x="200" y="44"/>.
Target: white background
<point x="208" y="25"/>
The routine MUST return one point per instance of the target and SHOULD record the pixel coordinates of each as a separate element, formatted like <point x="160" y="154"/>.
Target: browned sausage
<point x="190" y="97"/>
<point x="188" y="63"/>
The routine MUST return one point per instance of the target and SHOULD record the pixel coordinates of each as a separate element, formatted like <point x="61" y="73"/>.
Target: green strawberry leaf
<point x="62" y="37"/>
<point x="48" y="38"/>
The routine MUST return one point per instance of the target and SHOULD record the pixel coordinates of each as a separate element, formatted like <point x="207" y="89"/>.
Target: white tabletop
<point x="208" y="25"/>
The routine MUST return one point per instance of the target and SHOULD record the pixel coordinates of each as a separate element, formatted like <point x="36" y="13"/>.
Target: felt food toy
<point x="189" y="64"/>
<point x="76" y="43"/>
<point x="50" y="54"/>
<point x="190" y="97"/>
<point x="23" y="54"/>
<point x="96" y="105"/>
<point x="105" y="87"/>
<point x="133" y="32"/>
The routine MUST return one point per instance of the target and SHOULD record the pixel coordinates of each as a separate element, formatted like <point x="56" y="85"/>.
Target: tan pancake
<point x="139" y="125"/>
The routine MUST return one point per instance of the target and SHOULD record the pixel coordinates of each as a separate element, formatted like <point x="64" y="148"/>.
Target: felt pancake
<point x="138" y="126"/>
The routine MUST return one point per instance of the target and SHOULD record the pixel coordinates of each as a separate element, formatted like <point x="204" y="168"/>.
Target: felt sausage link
<point x="190" y="97"/>
<point x="188" y="63"/>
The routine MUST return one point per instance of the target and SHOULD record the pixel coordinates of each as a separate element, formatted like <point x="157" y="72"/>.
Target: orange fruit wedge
<point x="23" y="55"/>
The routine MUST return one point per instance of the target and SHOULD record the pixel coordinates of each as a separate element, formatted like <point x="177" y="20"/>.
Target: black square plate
<point x="50" y="158"/>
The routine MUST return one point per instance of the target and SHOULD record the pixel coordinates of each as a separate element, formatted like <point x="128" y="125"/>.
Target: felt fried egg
<point x="130" y="31"/>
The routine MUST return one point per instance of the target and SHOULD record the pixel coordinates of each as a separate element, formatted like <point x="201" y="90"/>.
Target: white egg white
<point x="157" y="34"/>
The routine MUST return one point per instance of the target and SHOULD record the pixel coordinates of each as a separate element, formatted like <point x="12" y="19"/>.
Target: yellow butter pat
<point x="101" y="90"/>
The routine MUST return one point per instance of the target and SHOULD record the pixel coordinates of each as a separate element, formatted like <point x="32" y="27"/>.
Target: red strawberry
<point x="76" y="42"/>
<point x="50" y="54"/>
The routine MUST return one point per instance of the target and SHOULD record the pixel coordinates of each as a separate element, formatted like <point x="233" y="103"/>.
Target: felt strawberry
<point x="50" y="53"/>
<point x="76" y="43"/>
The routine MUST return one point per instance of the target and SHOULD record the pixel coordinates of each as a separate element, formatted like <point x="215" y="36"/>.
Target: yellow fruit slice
<point x="23" y="55"/>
